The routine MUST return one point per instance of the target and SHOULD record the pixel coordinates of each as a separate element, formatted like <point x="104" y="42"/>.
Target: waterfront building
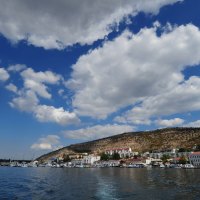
<point x="76" y="162"/>
<point x="150" y="161"/>
<point x="194" y="159"/>
<point x="123" y="152"/>
<point x="90" y="159"/>
<point x="135" y="161"/>
<point x="108" y="163"/>
<point x="158" y="154"/>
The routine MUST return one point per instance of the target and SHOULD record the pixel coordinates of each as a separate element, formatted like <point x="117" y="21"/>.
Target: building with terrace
<point x="123" y="152"/>
<point x="194" y="159"/>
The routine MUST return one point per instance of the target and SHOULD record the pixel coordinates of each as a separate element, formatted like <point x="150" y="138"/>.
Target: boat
<point x="24" y="165"/>
<point x="162" y="166"/>
<point x="188" y="166"/>
<point x="136" y="166"/>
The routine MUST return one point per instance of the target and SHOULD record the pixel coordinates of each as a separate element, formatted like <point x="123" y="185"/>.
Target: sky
<point x="73" y="71"/>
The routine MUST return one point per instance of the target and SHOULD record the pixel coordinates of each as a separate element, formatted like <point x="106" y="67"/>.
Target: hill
<point x="138" y="141"/>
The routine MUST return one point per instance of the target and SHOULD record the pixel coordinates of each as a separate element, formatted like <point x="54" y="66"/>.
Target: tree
<point x="182" y="160"/>
<point x="66" y="158"/>
<point x="104" y="156"/>
<point x="165" y="158"/>
<point x="116" y="156"/>
<point x="182" y="150"/>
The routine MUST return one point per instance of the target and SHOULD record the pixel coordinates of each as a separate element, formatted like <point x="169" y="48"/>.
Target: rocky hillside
<point x="138" y="141"/>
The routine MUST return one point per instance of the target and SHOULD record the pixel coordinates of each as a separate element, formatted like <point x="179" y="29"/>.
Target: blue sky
<point x="72" y="72"/>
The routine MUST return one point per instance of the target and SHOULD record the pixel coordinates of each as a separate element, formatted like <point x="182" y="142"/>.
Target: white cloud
<point x="36" y="81"/>
<point x="193" y="124"/>
<point x="11" y="87"/>
<point x="129" y="118"/>
<point x="41" y="146"/>
<point x="45" y="113"/>
<point x="182" y="98"/>
<point x="98" y="131"/>
<point x="60" y="92"/>
<point x="16" y="68"/>
<point x="27" y="98"/>
<point x="41" y="77"/>
<point x="56" y="24"/>
<point x="169" y="122"/>
<point x="128" y="71"/>
<point x="26" y="101"/>
<point x="4" y="76"/>
<point x="51" y="142"/>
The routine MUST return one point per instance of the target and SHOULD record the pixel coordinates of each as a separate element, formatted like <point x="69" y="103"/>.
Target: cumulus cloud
<point x="27" y="98"/>
<point x="169" y="122"/>
<point x="46" y="113"/>
<point x="50" y="142"/>
<point x="56" y="24"/>
<point x="27" y="101"/>
<point x="36" y="81"/>
<point x="182" y="98"/>
<point x="98" y="131"/>
<point x="16" y="68"/>
<point x="193" y="124"/>
<point x="11" y="87"/>
<point x="43" y="77"/>
<point x="4" y="76"/>
<point x="128" y="71"/>
<point x="60" y="92"/>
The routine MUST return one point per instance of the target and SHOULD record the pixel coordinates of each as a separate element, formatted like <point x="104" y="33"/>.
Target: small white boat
<point x="188" y="166"/>
<point x="23" y="165"/>
<point x="162" y="166"/>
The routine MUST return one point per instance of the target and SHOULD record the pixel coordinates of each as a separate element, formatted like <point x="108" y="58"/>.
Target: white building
<point x="194" y="159"/>
<point x="159" y="154"/>
<point x="90" y="159"/>
<point x="123" y="152"/>
<point x="76" y="162"/>
<point x="108" y="163"/>
<point x="149" y="161"/>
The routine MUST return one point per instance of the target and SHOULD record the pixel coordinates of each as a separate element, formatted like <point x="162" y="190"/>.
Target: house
<point x="123" y="152"/>
<point x="158" y="154"/>
<point x="150" y="161"/>
<point x="135" y="161"/>
<point x="90" y="159"/>
<point x="194" y="159"/>
<point x="77" y="162"/>
<point x="108" y="163"/>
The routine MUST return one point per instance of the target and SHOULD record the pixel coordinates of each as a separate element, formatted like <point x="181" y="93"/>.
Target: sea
<point x="99" y="183"/>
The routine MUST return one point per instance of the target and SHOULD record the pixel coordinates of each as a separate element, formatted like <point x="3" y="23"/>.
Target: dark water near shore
<point x="97" y="184"/>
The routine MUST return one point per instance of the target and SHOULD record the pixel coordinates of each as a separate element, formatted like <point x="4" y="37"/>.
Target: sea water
<point x="98" y="183"/>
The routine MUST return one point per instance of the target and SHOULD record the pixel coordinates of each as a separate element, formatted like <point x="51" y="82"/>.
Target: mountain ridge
<point x="178" y="137"/>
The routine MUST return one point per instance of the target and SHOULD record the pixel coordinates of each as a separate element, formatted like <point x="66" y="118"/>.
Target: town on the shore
<point x="119" y="157"/>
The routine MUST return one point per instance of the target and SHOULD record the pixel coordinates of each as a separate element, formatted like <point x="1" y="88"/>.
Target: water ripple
<point x="98" y="184"/>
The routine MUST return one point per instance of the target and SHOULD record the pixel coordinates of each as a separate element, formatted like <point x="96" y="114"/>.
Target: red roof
<point x="177" y="159"/>
<point x="196" y="153"/>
